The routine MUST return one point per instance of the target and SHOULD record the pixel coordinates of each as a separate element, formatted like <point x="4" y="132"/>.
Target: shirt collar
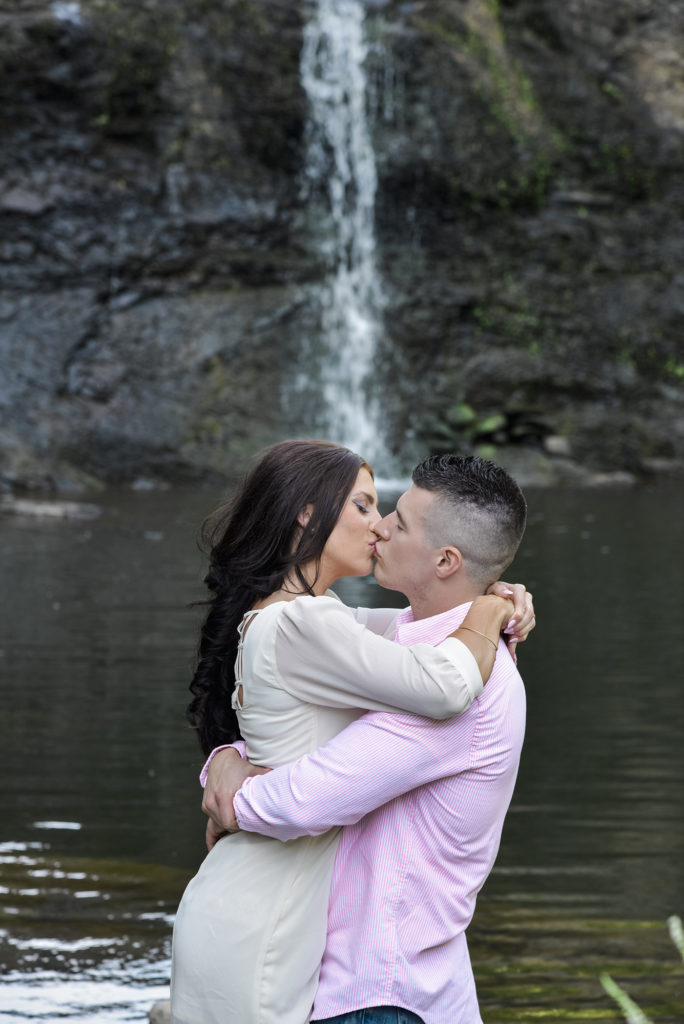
<point x="432" y="630"/>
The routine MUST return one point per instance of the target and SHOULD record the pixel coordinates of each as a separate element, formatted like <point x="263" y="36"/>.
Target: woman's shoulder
<point x="306" y="614"/>
<point x="307" y="606"/>
<point x="302" y="610"/>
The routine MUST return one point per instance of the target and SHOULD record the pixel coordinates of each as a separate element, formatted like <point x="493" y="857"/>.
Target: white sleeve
<point x="324" y="656"/>
<point x="382" y="621"/>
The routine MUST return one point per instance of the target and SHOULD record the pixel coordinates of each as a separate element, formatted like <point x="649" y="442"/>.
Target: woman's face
<point x="350" y="547"/>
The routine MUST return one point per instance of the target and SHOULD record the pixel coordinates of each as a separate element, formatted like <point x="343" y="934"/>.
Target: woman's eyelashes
<point x="363" y="507"/>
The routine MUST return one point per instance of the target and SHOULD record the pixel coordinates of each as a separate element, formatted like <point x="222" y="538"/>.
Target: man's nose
<point x="382" y="527"/>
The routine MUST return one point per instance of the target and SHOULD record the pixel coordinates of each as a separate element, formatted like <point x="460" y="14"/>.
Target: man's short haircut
<point x="480" y="510"/>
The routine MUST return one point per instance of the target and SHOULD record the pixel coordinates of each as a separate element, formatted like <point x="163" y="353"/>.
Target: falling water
<point x="341" y="183"/>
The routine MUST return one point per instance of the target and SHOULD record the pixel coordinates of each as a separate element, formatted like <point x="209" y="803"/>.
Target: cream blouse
<point x="316" y="652"/>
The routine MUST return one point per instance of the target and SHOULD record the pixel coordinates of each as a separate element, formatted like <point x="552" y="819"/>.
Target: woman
<point x="286" y="664"/>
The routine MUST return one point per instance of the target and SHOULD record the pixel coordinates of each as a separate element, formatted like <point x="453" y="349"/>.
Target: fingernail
<point x="508" y="593"/>
<point x="511" y="625"/>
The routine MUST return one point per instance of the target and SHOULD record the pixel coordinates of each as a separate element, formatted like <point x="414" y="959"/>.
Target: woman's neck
<point x="294" y="587"/>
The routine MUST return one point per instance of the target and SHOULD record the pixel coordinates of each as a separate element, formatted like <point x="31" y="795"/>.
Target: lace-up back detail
<point x="275" y="722"/>
<point x="237" y="699"/>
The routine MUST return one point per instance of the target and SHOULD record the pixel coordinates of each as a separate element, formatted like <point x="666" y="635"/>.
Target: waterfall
<point x="340" y="186"/>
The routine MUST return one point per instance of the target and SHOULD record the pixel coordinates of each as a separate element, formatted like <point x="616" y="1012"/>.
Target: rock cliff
<point x="158" y="273"/>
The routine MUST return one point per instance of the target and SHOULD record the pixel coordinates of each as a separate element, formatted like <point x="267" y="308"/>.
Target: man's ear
<point x="450" y="561"/>
<point x="304" y="515"/>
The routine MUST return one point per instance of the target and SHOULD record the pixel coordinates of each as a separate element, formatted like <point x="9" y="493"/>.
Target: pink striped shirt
<point x="424" y="804"/>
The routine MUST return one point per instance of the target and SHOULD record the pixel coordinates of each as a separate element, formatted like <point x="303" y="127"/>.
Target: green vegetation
<point x="507" y="92"/>
<point x="134" y="47"/>
<point x="514" y="317"/>
<point x="624" y="171"/>
<point x="675" y="369"/>
<point x="544" y="965"/>
<point x="634" y="1014"/>
<point x="611" y="90"/>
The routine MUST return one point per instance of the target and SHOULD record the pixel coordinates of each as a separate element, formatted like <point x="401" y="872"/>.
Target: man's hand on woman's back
<point x="225" y="775"/>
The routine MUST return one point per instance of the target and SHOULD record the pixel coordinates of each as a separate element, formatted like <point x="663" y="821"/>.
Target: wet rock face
<point x="156" y="267"/>
<point x="148" y="177"/>
<point x="542" y="279"/>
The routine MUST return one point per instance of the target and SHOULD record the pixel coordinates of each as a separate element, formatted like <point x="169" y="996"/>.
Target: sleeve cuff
<point x="465" y="660"/>
<point x="205" y="770"/>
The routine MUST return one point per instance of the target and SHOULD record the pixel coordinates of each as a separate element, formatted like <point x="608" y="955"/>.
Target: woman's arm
<point x="523" y="620"/>
<point x="481" y="629"/>
<point x="324" y="656"/>
<point x="379" y="620"/>
<point x="521" y="623"/>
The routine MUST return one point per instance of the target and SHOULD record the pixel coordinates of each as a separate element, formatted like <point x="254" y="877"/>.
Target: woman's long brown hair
<point x="254" y="543"/>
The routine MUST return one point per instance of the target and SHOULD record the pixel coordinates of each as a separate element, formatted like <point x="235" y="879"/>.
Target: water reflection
<point x="82" y="938"/>
<point x="101" y="823"/>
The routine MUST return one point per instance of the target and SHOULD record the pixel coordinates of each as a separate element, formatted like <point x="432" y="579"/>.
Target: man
<point x="423" y="801"/>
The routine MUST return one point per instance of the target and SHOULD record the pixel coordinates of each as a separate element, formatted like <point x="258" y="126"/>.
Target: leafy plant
<point x="633" y="1014"/>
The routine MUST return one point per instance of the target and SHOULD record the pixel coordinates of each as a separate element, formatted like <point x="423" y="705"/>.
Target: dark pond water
<point x="101" y="825"/>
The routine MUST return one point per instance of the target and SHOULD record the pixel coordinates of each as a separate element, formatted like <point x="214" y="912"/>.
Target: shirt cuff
<point x="465" y="660"/>
<point x="205" y="769"/>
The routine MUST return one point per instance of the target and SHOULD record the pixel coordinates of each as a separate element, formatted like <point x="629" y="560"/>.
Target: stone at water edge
<point x="160" y="1012"/>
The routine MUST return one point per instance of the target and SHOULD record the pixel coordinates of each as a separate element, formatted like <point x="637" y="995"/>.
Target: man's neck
<point x="425" y="606"/>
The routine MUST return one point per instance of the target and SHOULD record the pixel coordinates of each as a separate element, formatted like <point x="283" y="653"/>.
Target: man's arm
<point x="229" y="770"/>
<point x="375" y="759"/>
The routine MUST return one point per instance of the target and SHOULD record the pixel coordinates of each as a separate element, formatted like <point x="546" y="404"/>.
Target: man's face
<point x="405" y="561"/>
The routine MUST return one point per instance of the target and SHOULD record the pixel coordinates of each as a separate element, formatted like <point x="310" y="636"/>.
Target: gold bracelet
<point x="471" y="630"/>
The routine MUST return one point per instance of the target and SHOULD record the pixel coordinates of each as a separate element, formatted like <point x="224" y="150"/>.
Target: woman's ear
<point x="450" y="561"/>
<point x="304" y="515"/>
